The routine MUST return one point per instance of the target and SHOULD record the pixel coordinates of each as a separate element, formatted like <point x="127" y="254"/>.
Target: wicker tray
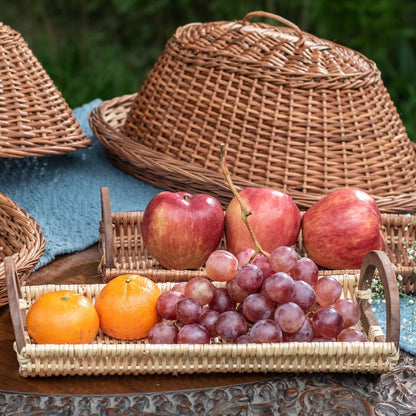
<point x="35" y="118"/>
<point x="297" y="113"/>
<point x="123" y="251"/>
<point x="109" y="356"/>
<point x="20" y="237"/>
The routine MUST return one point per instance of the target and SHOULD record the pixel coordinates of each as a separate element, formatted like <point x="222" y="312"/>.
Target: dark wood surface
<point x="393" y="393"/>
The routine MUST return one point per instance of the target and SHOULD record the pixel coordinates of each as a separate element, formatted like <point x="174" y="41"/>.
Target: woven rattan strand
<point x="35" y="118"/>
<point x="20" y="237"/>
<point x="297" y="113"/>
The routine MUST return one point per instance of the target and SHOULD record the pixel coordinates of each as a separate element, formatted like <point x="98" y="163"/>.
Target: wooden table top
<point x="340" y="393"/>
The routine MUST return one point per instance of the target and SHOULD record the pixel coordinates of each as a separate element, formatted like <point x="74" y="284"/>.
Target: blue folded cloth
<point x="62" y="192"/>
<point x="407" y="320"/>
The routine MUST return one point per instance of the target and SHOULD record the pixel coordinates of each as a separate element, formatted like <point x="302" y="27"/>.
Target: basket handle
<point x="379" y="260"/>
<point x="14" y="294"/>
<point x="108" y="227"/>
<point x="274" y="17"/>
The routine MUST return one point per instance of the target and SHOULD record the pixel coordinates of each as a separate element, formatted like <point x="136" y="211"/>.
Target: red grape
<point x="351" y="335"/>
<point x="283" y="258"/>
<point x="249" y="278"/>
<point x="305" y="269"/>
<point x="305" y="333"/>
<point x="304" y="295"/>
<point x="265" y="330"/>
<point x="200" y="289"/>
<point x="290" y="317"/>
<point x="230" y="325"/>
<point x="349" y="310"/>
<point x="179" y="287"/>
<point x="235" y="291"/>
<point x="244" y="256"/>
<point x="262" y="262"/>
<point x="221" y="301"/>
<point x="257" y="306"/>
<point x="221" y="266"/>
<point x="208" y="319"/>
<point x="327" y="290"/>
<point x="243" y="339"/>
<point x="166" y="303"/>
<point x="163" y="333"/>
<point x="279" y="287"/>
<point x="327" y="322"/>
<point x="322" y="339"/>
<point x="193" y="334"/>
<point x="188" y="311"/>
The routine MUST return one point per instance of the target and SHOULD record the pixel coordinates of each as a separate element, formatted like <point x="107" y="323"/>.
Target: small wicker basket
<point x="21" y="238"/>
<point x="297" y="113"/>
<point x="106" y="355"/>
<point x="35" y="118"/>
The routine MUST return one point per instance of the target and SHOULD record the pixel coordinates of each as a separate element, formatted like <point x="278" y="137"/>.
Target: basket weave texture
<point x="20" y="237"/>
<point x="296" y="112"/>
<point x="35" y="118"/>
<point x="106" y="355"/>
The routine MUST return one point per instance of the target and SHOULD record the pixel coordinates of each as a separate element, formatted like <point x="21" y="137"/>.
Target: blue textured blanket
<point x="63" y="192"/>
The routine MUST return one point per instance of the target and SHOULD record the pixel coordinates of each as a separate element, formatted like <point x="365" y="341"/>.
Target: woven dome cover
<point x="35" y="120"/>
<point x="296" y="112"/>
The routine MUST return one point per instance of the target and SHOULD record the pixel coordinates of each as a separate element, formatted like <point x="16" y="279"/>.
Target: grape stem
<point x="245" y="211"/>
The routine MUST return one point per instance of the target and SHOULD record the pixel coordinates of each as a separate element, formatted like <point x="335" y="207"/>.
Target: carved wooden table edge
<point x="391" y="393"/>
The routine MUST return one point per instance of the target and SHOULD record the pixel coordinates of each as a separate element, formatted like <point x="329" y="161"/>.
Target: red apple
<point x="275" y="220"/>
<point x="341" y="228"/>
<point x="181" y="230"/>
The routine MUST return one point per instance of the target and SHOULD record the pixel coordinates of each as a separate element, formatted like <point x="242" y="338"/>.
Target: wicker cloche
<point x="35" y="118"/>
<point x="296" y="112"/>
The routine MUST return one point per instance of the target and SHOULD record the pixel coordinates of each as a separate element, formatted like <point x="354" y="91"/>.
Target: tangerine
<point x="62" y="317"/>
<point x="127" y="307"/>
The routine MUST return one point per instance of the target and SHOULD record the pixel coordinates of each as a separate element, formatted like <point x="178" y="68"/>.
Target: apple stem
<point x="245" y="211"/>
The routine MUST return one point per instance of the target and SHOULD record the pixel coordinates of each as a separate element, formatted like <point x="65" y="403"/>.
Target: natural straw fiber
<point x="106" y="355"/>
<point x="296" y="112"/>
<point x="35" y="118"/>
<point x="21" y="238"/>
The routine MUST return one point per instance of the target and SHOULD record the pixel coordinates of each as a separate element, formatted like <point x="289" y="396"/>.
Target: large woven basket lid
<point x="296" y="112"/>
<point x="35" y="119"/>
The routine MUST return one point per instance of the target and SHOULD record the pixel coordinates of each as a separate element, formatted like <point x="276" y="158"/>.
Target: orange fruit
<point x="127" y="307"/>
<point x="62" y="317"/>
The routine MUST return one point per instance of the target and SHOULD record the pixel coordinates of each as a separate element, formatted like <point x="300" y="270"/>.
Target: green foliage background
<point x="105" y="48"/>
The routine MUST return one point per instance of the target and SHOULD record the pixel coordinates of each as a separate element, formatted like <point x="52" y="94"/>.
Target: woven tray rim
<point x="130" y="156"/>
<point x="160" y="359"/>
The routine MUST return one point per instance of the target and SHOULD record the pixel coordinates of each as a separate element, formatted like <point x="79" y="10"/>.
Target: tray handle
<point x="379" y="260"/>
<point x="274" y="17"/>
<point x="14" y="294"/>
<point x="108" y="227"/>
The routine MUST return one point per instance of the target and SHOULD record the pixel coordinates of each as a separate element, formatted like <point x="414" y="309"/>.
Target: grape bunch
<point x="276" y="298"/>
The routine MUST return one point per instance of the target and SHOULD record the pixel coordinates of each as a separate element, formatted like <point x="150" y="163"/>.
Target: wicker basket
<point x="35" y="118"/>
<point x="297" y="113"/>
<point x="106" y="355"/>
<point x="123" y="250"/>
<point x="21" y="238"/>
